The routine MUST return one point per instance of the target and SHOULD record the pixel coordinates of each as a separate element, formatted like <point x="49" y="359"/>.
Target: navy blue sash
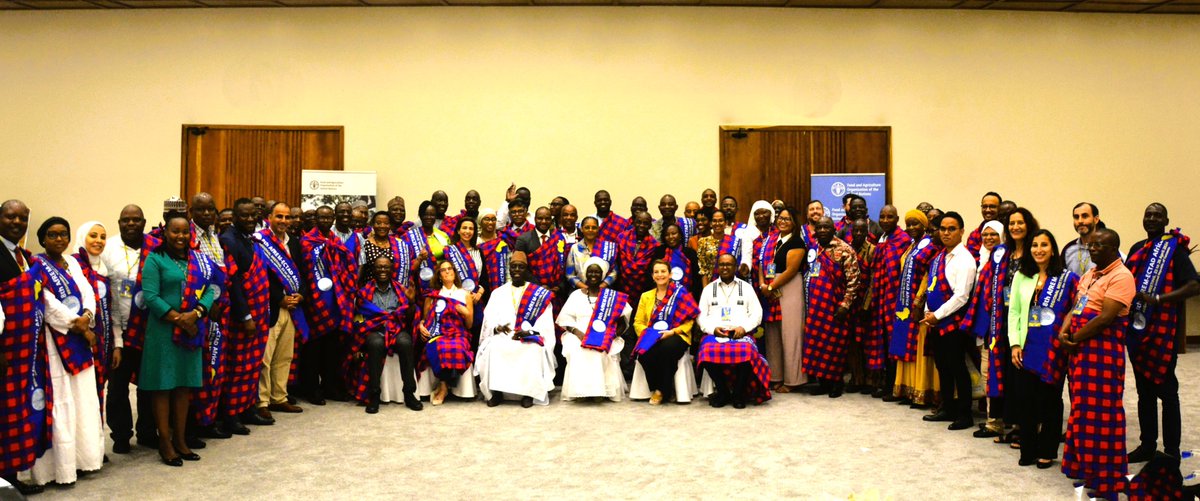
<point x="1151" y="280"/>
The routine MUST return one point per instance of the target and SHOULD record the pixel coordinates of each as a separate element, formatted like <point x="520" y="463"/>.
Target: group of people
<point x="221" y="318"/>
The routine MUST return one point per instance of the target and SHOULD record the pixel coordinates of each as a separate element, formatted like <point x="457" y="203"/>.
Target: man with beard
<point x="989" y="208"/>
<point x="1085" y="216"/>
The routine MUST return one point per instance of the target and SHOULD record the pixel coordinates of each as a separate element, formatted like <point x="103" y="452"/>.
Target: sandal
<point x="782" y="388"/>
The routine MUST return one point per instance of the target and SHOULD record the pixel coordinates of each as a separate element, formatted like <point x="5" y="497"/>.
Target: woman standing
<point x="468" y="264"/>
<point x="663" y="323"/>
<point x="587" y="247"/>
<point x="1020" y="225"/>
<point x="448" y="315"/>
<point x="916" y="378"/>
<point x="685" y="267"/>
<point x="175" y="283"/>
<point x="1042" y="293"/>
<point x="91" y="238"/>
<point x="429" y="244"/>
<point x="980" y="317"/>
<point x="785" y="344"/>
<point x="705" y="244"/>
<point x="593" y="319"/>
<point x="494" y="250"/>
<point x="77" y="442"/>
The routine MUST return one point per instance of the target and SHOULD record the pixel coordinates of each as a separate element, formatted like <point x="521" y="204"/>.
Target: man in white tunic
<point x="516" y="340"/>
<point x="594" y="318"/>
<point x="729" y="314"/>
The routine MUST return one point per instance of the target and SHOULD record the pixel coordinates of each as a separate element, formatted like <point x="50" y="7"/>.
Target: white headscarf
<point x="752" y="228"/>
<point x="598" y="261"/>
<point x="81" y="233"/>
<point x="984" y="253"/>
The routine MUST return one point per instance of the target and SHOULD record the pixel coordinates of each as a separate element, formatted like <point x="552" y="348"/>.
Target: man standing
<point x="885" y="290"/>
<point x="989" y="208"/>
<point x="635" y="253"/>
<point x="858" y="210"/>
<point x="1165" y="278"/>
<point x="612" y="225"/>
<point x="545" y="247"/>
<point x="260" y="213"/>
<point x="206" y="400"/>
<point x="729" y="207"/>
<point x="637" y="206"/>
<point x="667" y="207"/>
<point x="518" y="212"/>
<point x="24" y="368"/>
<point x="951" y="280"/>
<point x="708" y="198"/>
<point x="470" y="210"/>
<point x="283" y="257"/>
<point x="832" y="284"/>
<point x="395" y="208"/>
<point x="331" y="273"/>
<point x="1093" y="339"/>
<point x="441" y="202"/>
<point x="729" y="315"/>
<point x="516" y="343"/>
<point x="249" y="320"/>
<point x="1086" y="218"/>
<point x="124" y="263"/>
<point x="343" y="217"/>
<point x="568" y="216"/>
<point x="863" y="378"/>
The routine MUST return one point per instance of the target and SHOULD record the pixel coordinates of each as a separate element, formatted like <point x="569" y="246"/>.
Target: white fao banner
<point x="331" y="187"/>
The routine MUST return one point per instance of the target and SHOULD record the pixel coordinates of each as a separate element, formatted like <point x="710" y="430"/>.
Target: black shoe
<point x="191" y="456"/>
<point x="836" y="391"/>
<point x="526" y="402"/>
<point x="27" y="489"/>
<point x="412" y="402"/>
<point x="867" y="390"/>
<point x="1141" y="454"/>
<point x="853" y="388"/>
<point x="195" y="443"/>
<point x="718" y="400"/>
<point x="213" y="431"/>
<point x="739" y="402"/>
<point x="316" y="398"/>
<point x="252" y="417"/>
<point x="175" y="461"/>
<point x="1026" y="462"/>
<point x="121" y="447"/>
<point x="938" y="416"/>
<point x="235" y="427"/>
<point x="1043" y="464"/>
<point x="819" y="389"/>
<point x="148" y="442"/>
<point x="497" y="397"/>
<point x="373" y="407"/>
<point x="961" y="424"/>
<point x="879" y="393"/>
<point x="985" y="433"/>
<point x="892" y="398"/>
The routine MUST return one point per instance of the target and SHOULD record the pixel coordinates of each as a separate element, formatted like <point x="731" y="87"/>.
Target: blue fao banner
<point x="830" y="188"/>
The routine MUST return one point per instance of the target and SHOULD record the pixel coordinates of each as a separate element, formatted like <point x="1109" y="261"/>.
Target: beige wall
<point x="1048" y="109"/>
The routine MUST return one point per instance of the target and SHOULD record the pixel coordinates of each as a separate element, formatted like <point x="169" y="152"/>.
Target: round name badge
<point x="440" y="306"/>
<point x="101" y="290"/>
<point x="1139" y="321"/>
<point x="676" y="273"/>
<point x="426" y="274"/>
<point x="138" y="300"/>
<point x="468" y="285"/>
<point x="923" y="244"/>
<point x="38" y="400"/>
<point x="812" y="255"/>
<point x="217" y="291"/>
<point x="998" y="255"/>
<point x="325" y="284"/>
<point x="72" y="303"/>
<point x="660" y="325"/>
<point x="526" y="326"/>
<point x="258" y="236"/>
<point x="1046" y="317"/>
<point x="599" y="326"/>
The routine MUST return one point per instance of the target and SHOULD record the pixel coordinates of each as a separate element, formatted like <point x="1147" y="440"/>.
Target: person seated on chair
<point x="664" y="321"/>
<point x="593" y="319"/>
<point x="381" y="329"/>
<point x="516" y="342"/>
<point x="729" y="314"/>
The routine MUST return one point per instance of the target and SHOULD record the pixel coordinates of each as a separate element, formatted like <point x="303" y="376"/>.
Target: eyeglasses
<point x="948" y="229"/>
<point x="1095" y="245"/>
<point x="58" y="236"/>
<point x="989" y="206"/>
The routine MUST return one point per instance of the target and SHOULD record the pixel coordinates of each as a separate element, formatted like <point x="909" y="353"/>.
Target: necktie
<point x="20" y="258"/>
<point x="543" y="239"/>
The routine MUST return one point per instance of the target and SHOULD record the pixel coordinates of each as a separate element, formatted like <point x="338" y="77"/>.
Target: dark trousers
<point x="889" y="375"/>
<point x="377" y="352"/>
<point x="949" y="355"/>
<point x="318" y="365"/>
<point x="660" y="363"/>
<point x="116" y="403"/>
<point x="735" y="384"/>
<point x="1148" y="396"/>
<point x="1039" y="413"/>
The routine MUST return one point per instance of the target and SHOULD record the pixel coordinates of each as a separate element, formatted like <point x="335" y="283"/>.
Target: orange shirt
<point x="1113" y="282"/>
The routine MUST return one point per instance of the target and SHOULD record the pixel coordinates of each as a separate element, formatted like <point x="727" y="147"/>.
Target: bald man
<point x="470" y="210"/>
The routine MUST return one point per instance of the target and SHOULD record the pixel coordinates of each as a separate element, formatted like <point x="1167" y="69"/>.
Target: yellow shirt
<point x="645" y="312"/>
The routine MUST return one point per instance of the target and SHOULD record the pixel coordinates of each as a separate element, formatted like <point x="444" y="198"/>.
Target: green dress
<point x="166" y="365"/>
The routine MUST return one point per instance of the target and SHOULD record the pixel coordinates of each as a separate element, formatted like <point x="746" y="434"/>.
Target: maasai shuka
<point x="329" y="311"/>
<point x="402" y="230"/>
<point x="939" y="292"/>
<point x="244" y="349"/>
<point x="606" y="313"/>
<point x="986" y="315"/>
<point x="200" y="273"/>
<point x="73" y="348"/>
<point x="495" y="261"/>
<point x="511" y="232"/>
<point x="731" y="244"/>
<point x="1095" y="439"/>
<point x="825" y="338"/>
<point x="764" y="270"/>
<point x="614" y="228"/>
<point x="449" y="346"/>
<point x="1042" y="352"/>
<point x="873" y="344"/>
<point x="1152" y="347"/>
<point x="26" y="397"/>
<point x="449" y="223"/>
<point x="206" y="400"/>
<point x="914" y="267"/>
<point x="135" y="329"/>
<point x="464" y="265"/>
<point x="676" y="307"/>
<point x="546" y="262"/>
<point x="719" y="351"/>
<point x="885" y="284"/>
<point x="370" y="318"/>
<point x="635" y="263"/>
<point x="102" y="351"/>
<point x="975" y="241"/>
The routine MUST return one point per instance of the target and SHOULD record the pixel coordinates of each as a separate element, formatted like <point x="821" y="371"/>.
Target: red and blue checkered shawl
<point x="510" y="233"/>
<point x="764" y="264"/>
<point x="205" y="400"/>
<point x="1095" y="440"/>
<point x="730" y="244"/>
<point x="1151" y="336"/>
<point x="450" y="222"/>
<point x="724" y="351"/>
<point x="677" y="307"/>
<point x="675" y="257"/>
<point x="26" y="397"/>
<point x="939" y="292"/>
<point x="460" y="257"/>
<point x="975" y="241"/>
<point x="244" y="350"/>
<point x="986" y="314"/>
<point x="546" y="262"/>
<point x="606" y="313"/>
<point x="614" y="228"/>
<point x="329" y="311"/>
<point x="277" y="261"/>
<point x="102" y="352"/>
<point x="495" y="261"/>
<point x="402" y="260"/>
<point x="635" y="263"/>
<point x="914" y="265"/>
<point x="370" y="318"/>
<point x="449" y="345"/>
<point x="885" y="283"/>
<point x="873" y="345"/>
<point x="201" y="272"/>
<point x="825" y="338"/>
<point x="402" y="231"/>
<point x="1042" y="353"/>
<point x="72" y="348"/>
<point x="533" y="304"/>
<point x="135" y="328"/>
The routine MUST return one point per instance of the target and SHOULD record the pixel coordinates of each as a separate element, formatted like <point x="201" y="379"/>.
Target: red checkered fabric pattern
<point x="1095" y="440"/>
<point x="921" y="259"/>
<point x="329" y="313"/>
<point x="451" y="350"/>
<point x="1153" y="355"/>
<point x="885" y="283"/>
<point x="206" y="400"/>
<point x="825" y="338"/>
<point x="73" y="349"/>
<point x="764" y="256"/>
<point x="975" y="241"/>
<point x="511" y="232"/>
<point x="102" y="351"/>
<point x="449" y="222"/>
<point x="735" y="352"/>
<point x="244" y="350"/>
<point x="873" y="345"/>
<point x="546" y="262"/>
<point x="24" y="433"/>
<point x="614" y="228"/>
<point x="634" y="263"/>
<point x="135" y="328"/>
<point x="495" y="254"/>
<point x="390" y="325"/>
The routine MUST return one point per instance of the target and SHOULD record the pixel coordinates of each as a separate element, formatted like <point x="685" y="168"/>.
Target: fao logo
<point x="314" y="184"/>
<point x="838" y="189"/>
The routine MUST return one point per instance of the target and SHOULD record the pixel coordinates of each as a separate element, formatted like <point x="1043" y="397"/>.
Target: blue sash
<point x="464" y="266"/>
<point x="533" y="303"/>
<point x="607" y="251"/>
<point x="216" y="336"/>
<point x="1150" y="280"/>
<point x="602" y="328"/>
<point x="687" y="226"/>
<point x="1045" y="316"/>
<point x="935" y="295"/>
<point x="353" y="243"/>
<point x="985" y="326"/>
<point x="416" y="241"/>
<point x="321" y="274"/>
<point x="661" y="322"/>
<point x="902" y="323"/>
<point x="284" y="269"/>
<point x="679" y="266"/>
<point x="403" y="267"/>
<point x="61" y="286"/>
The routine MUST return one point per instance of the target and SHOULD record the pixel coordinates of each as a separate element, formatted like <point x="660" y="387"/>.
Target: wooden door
<point x="234" y="161"/>
<point x="768" y="163"/>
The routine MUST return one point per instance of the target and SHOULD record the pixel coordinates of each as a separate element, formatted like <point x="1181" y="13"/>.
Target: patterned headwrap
<point x="918" y="215"/>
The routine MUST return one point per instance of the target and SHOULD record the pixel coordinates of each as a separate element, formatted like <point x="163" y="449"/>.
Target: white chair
<point x="685" y="381"/>
<point x="391" y="382"/>
<point x="464" y="389"/>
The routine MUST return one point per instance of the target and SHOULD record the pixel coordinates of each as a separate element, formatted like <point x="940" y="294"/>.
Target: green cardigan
<point x="1019" y="299"/>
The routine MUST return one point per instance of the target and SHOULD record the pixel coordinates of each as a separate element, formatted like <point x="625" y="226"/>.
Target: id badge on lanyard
<point x="726" y="313"/>
<point x="1079" y="304"/>
<point x="126" y="289"/>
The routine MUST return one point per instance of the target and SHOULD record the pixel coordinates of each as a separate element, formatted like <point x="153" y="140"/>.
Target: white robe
<point x="589" y="373"/>
<point x="514" y="367"/>
<point x="78" y="430"/>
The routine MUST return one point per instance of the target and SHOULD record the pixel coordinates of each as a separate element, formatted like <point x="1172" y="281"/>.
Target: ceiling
<point x="1108" y="6"/>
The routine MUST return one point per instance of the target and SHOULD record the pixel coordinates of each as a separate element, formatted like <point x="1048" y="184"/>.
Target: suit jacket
<point x="8" y="266"/>
<point x="241" y="249"/>
<point x="529" y="242"/>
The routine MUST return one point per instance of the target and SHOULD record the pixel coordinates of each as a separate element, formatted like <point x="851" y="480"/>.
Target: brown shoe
<point x="656" y="398"/>
<point x="264" y="413"/>
<point x="286" y="408"/>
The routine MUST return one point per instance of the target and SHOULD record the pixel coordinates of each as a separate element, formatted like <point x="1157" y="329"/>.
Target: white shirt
<point x="123" y="263"/>
<point x="960" y="274"/>
<point x="729" y="305"/>
<point x="577" y="312"/>
<point x="209" y="243"/>
<point x="58" y="316"/>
